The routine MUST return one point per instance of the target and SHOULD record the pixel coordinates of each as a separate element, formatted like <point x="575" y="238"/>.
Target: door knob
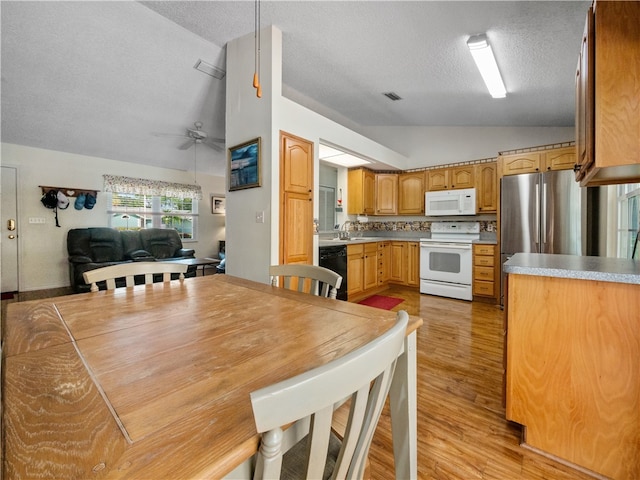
<point x="11" y="237"/>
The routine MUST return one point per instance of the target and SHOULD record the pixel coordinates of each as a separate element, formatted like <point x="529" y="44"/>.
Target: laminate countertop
<point x="328" y="242"/>
<point x="618" y="270"/>
<point x="354" y="240"/>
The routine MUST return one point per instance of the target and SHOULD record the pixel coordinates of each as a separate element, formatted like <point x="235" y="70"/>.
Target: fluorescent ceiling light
<point x="338" y="157"/>
<point x="209" y="69"/>
<point x="486" y="62"/>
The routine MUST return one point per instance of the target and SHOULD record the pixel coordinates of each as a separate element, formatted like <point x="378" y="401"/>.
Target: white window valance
<point x="143" y="186"/>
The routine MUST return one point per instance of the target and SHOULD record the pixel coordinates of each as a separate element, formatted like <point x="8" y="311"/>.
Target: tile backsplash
<point x="410" y="226"/>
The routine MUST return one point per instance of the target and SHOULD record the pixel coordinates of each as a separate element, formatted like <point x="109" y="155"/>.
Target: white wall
<point x="252" y="247"/>
<point x="428" y="146"/>
<point x="42" y="261"/>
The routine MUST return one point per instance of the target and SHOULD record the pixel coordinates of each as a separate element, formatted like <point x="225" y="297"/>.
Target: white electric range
<point x="446" y="259"/>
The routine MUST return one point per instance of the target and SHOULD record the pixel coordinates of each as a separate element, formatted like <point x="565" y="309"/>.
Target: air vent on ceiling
<point x="209" y="69"/>
<point x="392" y="96"/>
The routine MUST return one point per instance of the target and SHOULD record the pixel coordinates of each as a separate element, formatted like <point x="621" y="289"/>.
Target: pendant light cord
<point x="256" y="37"/>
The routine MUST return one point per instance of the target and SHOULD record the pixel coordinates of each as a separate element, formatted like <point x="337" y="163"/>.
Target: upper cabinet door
<point x="411" y="193"/>
<point x="610" y="52"/>
<point x="516" y="163"/>
<point x="486" y="188"/>
<point x="560" y="158"/>
<point x="461" y="177"/>
<point x="361" y="192"/>
<point x="297" y="169"/>
<point x="386" y="194"/>
<point x="437" y="179"/>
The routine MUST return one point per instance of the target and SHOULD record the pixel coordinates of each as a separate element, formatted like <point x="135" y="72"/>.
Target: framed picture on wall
<point x="244" y="165"/>
<point x="218" y="204"/>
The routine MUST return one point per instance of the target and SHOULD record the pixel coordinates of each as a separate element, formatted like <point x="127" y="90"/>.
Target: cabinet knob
<point x="577" y="167"/>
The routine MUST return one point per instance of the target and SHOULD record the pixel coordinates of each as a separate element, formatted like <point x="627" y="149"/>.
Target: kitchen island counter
<point x="573" y="359"/>
<point x="618" y="270"/>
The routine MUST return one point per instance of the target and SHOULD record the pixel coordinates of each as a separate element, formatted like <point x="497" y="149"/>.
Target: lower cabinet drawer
<point x="484" y="273"/>
<point x="483" y="288"/>
<point x="484" y="261"/>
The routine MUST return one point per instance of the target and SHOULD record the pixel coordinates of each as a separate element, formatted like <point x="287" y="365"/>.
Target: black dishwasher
<point x="334" y="257"/>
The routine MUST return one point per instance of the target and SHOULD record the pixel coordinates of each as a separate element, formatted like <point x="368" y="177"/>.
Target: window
<point x="628" y="219"/>
<point x="327" y="209"/>
<point x="133" y="211"/>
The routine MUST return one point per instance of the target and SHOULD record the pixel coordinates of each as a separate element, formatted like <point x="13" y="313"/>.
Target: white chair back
<point x="129" y="270"/>
<point x="363" y="375"/>
<point x="306" y="278"/>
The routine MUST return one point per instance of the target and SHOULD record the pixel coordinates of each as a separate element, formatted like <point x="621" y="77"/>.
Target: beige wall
<point x="42" y="261"/>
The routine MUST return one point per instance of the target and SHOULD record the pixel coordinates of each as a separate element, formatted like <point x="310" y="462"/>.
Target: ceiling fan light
<point x="486" y="62"/>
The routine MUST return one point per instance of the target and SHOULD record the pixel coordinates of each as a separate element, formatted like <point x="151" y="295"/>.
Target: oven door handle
<point x="448" y="246"/>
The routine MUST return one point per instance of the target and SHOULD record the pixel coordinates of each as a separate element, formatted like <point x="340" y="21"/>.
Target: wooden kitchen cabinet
<point x="560" y="158"/>
<point x="386" y="194"/>
<point x="486" y="187"/>
<point x="370" y="273"/>
<point x="361" y="192"/>
<point x="355" y="269"/>
<point x="411" y="193"/>
<point x="384" y="262"/>
<point x="461" y="177"/>
<point x="573" y="363"/>
<point x="437" y="179"/>
<point x="413" y="264"/>
<point x="485" y="275"/>
<point x="398" y="273"/>
<point x="362" y="269"/>
<point x="450" y="178"/>
<point x="405" y="263"/>
<point x="607" y="93"/>
<point x="517" y="163"/>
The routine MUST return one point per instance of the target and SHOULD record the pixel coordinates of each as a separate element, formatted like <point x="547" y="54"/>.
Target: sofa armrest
<point x="80" y="259"/>
<point x="185" y="252"/>
<point x="139" y="255"/>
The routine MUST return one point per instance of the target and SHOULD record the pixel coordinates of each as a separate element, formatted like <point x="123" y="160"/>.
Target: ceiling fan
<point x="196" y="135"/>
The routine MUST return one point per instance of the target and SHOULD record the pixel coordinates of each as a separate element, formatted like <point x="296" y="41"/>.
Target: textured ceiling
<point x="106" y="78"/>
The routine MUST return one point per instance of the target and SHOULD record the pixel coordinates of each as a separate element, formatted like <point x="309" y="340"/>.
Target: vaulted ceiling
<point x="116" y="79"/>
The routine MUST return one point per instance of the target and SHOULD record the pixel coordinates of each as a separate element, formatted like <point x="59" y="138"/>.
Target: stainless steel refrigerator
<point x="540" y="213"/>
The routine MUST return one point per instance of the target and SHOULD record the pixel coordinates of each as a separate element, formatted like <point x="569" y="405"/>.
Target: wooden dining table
<point x="153" y="381"/>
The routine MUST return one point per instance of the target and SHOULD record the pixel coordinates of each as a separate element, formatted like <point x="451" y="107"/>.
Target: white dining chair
<point x="129" y="271"/>
<point x="306" y="278"/>
<point x="309" y="399"/>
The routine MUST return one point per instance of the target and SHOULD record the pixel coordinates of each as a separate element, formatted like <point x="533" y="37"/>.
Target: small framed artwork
<point x="217" y="204"/>
<point x="244" y="165"/>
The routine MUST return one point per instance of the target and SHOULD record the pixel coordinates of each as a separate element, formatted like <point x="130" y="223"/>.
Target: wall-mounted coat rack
<point x="69" y="192"/>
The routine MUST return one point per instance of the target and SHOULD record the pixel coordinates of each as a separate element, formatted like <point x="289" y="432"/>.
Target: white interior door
<point x="9" y="226"/>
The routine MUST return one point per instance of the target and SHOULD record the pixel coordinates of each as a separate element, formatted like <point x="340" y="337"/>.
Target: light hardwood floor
<point x="462" y="431"/>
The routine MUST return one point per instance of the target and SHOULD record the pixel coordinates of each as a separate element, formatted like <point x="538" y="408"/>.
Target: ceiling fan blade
<point x="159" y="134"/>
<point x="212" y="143"/>
<point x="186" y="145"/>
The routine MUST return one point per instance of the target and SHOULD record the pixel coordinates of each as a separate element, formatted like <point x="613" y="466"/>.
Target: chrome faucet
<point x="343" y="233"/>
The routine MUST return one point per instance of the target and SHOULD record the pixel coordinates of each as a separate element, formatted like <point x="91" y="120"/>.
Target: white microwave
<point x="450" y="202"/>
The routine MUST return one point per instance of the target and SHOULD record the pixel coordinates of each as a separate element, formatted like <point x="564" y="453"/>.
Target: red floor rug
<point x="381" y="301"/>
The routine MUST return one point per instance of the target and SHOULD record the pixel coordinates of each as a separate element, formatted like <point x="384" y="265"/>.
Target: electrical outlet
<point x="260" y="217"/>
<point x="39" y="220"/>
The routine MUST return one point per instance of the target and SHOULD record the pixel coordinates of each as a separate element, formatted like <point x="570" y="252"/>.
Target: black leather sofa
<point x="91" y="248"/>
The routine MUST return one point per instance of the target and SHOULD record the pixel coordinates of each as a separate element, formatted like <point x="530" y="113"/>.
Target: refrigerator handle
<point x="537" y="219"/>
<point x="544" y="213"/>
